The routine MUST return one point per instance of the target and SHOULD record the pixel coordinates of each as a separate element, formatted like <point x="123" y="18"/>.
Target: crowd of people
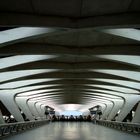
<point x="71" y="118"/>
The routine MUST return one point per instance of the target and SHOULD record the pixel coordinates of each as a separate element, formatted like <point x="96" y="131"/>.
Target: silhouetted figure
<point x="46" y="113"/>
<point x="76" y="118"/>
<point x="62" y="118"/>
<point x="71" y="118"/>
<point x="54" y="118"/>
<point x="58" y="118"/>
<point x="81" y="118"/>
<point x="88" y="118"/>
<point x="100" y="114"/>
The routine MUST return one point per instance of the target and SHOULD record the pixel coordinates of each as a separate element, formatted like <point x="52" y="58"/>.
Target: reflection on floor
<point x="73" y="131"/>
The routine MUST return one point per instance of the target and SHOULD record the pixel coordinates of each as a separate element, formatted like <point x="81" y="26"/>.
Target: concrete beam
<point x="19" y="34"/>
<point x="77" y="66"/>
<point x="68" y="75"/>
<point x="37" y="83"/>
<point x="129" y="33"/>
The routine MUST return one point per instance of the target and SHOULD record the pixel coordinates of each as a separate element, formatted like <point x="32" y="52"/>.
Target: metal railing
<point x="122" y="126"/>
<point x="15" y="128"/>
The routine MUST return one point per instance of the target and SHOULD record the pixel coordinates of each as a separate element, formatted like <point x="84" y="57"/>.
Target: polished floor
<point x="73" y="131"/>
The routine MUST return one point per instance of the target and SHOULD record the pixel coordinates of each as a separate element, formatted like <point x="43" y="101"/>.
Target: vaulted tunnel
<point x="78" y="55"/>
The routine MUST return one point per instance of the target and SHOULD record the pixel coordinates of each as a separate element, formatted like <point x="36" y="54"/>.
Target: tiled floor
<point x="73" y="131"/>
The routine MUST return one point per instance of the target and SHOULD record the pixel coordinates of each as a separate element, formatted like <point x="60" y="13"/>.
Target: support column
<point x="43" y="110"/>
<point x="107" y="111"/>
<point x="38" y="107"/>
<point x="8" y="100"/>
<point x="22" y="103"/>
<point x="130" y="101"/>
<point x="33" y="109"/>
<point x="136" y="118"/>
<point x="117" y="105"/>
<point x="103" y="108"/>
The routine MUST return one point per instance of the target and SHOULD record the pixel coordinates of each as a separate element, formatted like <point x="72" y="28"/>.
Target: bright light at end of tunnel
<point x="70" y="112"/>
<point x="70" y="107"/>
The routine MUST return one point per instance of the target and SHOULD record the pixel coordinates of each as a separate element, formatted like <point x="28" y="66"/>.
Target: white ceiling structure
<point x="70" y="54"/>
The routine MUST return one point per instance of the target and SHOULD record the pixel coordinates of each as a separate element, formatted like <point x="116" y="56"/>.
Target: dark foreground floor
<point x="73" y="131"/>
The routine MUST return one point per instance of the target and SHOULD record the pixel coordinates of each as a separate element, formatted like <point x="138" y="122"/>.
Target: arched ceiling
<point x="80" y="52"/>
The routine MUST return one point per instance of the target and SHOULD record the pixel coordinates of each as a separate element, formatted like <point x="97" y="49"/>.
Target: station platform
<point x="73" y="131"/>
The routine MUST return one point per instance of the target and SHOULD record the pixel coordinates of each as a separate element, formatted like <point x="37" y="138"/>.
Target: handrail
<point x="123" y="126"/>
<point x="15" y="128"/>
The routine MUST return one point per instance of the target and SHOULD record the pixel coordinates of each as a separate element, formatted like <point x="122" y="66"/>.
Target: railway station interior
<point x="70" y="69"/>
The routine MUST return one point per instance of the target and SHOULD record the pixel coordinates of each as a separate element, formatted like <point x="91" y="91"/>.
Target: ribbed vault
<point x="71" y="52"/>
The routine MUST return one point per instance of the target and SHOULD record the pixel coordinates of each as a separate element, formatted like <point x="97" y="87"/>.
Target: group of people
<point x="71" y="118"/>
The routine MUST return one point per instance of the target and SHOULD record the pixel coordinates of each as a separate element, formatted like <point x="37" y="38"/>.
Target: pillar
<point x="107" y="111"/>
<point x="22" y="103"/>
<point x="8" y="100"/>
<point x="117" y="105"/>
<point x="33" y="109"/>
<point x="136" y="118"/>
<point x="130" y="101"/>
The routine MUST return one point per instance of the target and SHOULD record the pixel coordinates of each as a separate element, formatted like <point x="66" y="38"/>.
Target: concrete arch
<point x="85" y="58"/>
